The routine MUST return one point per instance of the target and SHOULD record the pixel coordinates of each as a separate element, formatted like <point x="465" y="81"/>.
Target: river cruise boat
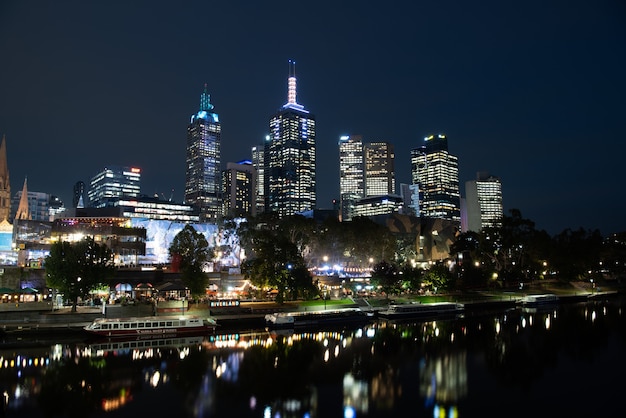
<point x="315" y="318"/>
<point x="422" y="310"/>
<point x="151" y="326"/>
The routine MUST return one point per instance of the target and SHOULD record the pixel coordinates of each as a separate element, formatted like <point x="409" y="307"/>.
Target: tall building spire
<point x="5" y="183"/>
<point x="292" y="101"/>
<point x="205" y="100"/>
<point x="291" y="95"/>
<point x="22" y="209"/>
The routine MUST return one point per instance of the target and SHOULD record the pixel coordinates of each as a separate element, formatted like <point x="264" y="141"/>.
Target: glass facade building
<point x="351" y="174"/>
<point x="113" y="183"/>
<point x="436" y="172"/>
<point x="380" y="177"/>
<point x="203" y="161"/>
<point x="290" y="157"/>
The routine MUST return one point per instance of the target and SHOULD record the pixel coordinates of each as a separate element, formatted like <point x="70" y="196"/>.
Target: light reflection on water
<point x="511" y="363"/>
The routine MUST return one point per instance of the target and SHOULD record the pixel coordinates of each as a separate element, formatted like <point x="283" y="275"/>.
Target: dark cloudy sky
<point x="533" y="92"/>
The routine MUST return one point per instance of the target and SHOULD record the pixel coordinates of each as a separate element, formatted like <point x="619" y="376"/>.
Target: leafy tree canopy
<point x="191" y="251"/>
<point x="76" y="268"/>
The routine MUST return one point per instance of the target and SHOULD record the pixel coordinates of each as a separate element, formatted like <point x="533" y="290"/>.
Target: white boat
<point x="151" y="326"/>
<point x="538" y="300"/>
<point x="421" y="310"/>
<point x="313" y="318"/>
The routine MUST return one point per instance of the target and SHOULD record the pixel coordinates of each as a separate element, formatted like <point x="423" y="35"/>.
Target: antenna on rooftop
<point x="291" y="94"/>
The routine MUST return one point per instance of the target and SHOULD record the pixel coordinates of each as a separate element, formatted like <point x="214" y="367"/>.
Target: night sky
<point x="533" y="92"/>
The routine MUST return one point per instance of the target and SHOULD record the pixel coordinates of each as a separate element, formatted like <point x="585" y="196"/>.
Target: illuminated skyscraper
<point x="351" y="174"/>
<point x="380" y="176"/>
<point x="436" y="172"/>
<point x="239" y="189"/>
<point x="483" y="199"/>
<point x="290" y="157"/>
<point x="112" y="183"/>
<point x="203" y="161"/>
<point x="258" y="162"/>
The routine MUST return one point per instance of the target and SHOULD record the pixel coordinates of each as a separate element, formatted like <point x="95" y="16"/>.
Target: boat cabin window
<point x="133" y="325"/>
<point x="162" y="324"/>
<point x="169" y="323"/>
<point x="140" y="325"/>
<point x="126" y="325"/>
<point x="116" y="326"/>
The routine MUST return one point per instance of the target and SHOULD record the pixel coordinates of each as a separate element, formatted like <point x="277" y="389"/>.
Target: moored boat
<point x="313" y="318"/>
<point x="538" y="300"/>
<point x="151" y="325"/>
<point x="421" y="310"/>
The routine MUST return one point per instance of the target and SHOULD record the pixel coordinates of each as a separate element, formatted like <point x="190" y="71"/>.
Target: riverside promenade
<point x="29" y="318"/>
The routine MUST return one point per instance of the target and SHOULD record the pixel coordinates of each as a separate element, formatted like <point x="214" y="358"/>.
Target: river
<point x="566" y="360"/>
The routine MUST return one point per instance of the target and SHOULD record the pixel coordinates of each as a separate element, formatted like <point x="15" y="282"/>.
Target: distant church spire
<point x="22" y="209"/>
<point x="5" y="184"/>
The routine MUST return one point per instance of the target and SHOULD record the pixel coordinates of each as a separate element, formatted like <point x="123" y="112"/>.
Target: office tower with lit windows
<point x="436" y="172"/>
<point x="239" y="189"/>
<point x="351" y="174"/>
<point x="258" y="162"/>
<point x="112" y="183"/>
<point x="290" y="157"/>
<point x="203" y="161"/>
<point x="380" y="177"/>
<point x="483" y="202"/>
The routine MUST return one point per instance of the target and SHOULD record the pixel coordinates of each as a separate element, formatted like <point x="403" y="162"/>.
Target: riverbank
<point x="25" y="319"/>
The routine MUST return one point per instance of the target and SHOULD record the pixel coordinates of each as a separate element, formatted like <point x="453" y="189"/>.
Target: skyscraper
<point x="203" y="161"/>
<point x="436" y="172"/>
<point x="239" y="189"/>
<point x="380" y="176"/>
<point x="483" y="199"/>
<point x="290" y="157"/>
<point x="351" y="174"/>
<point x="258" y="162"/>
<point x="112" y="183"/>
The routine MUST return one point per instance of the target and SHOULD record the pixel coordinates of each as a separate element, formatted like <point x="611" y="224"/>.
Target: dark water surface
<point x="561" y="361"/>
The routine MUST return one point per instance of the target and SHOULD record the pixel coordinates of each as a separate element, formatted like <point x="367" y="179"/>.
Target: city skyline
<point x="525" y="92"/>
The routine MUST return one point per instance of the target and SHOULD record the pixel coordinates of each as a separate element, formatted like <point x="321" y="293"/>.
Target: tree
<point x="439" y="277"/>
<point x="385" y="276"/>
<point x="76" y="268"/>
<point x="191" y="249"/>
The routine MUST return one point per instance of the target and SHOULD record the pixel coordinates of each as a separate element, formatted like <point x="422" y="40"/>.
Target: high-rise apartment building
<point x="203" y="161"/>
<point x="258" y="162"/>
<point x="290" y="158"/>
<point x="436" y="172"/>
<point x="239" y="189"/>
<point x="483" y="201"/>
<point x="351" y="174"/>
<point x="112" y="183"/>
<point x="380" y="177"/>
